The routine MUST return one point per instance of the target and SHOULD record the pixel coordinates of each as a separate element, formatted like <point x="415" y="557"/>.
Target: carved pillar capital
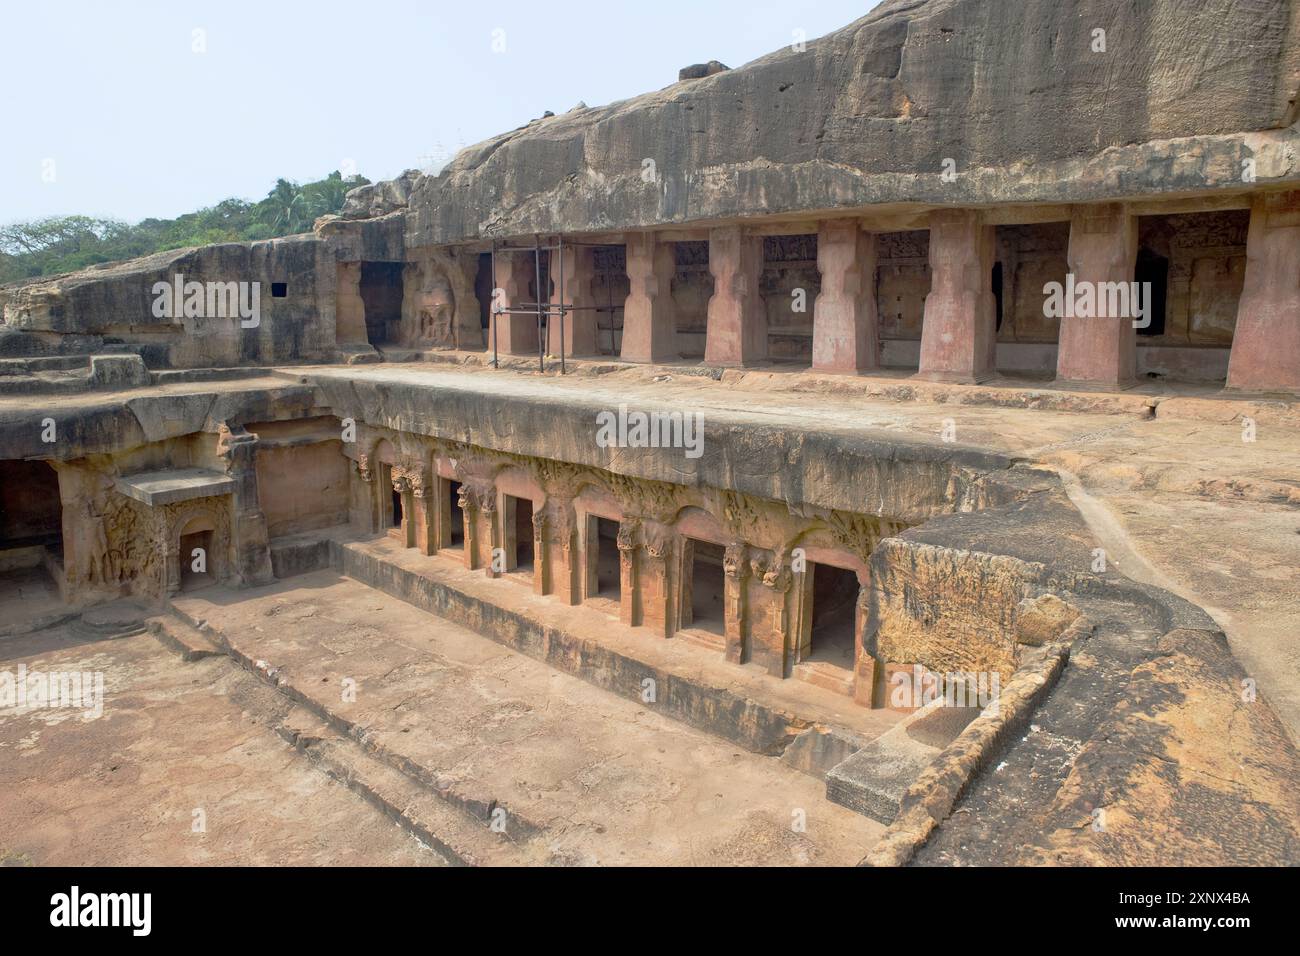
<point x="734" y="564"/>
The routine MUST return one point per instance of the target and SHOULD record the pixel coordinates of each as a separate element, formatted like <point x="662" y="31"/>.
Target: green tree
<point x="58" y="244"/>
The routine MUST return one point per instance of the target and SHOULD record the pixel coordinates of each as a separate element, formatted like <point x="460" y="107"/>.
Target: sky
<point x="136" y="109"/>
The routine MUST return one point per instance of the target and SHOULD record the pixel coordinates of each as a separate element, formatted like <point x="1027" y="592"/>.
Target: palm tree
<point x="282" y="209"/>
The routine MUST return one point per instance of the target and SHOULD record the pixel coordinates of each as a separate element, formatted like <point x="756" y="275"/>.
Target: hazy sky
<point x="111" y="101"/>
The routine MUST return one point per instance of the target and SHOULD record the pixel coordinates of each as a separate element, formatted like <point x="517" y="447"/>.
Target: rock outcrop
<point x="1037" y="101"/>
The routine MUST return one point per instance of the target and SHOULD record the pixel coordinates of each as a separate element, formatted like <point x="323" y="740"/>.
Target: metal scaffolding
<point x="548" y="310"/>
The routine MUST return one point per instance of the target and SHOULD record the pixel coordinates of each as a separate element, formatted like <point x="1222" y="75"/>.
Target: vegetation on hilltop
<point x="60" y="244"/>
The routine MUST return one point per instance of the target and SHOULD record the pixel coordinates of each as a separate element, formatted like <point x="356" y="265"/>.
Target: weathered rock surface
<point x="380" y="199"/>
<point x="113" y="306"/>
<point x="1013" y="94"/>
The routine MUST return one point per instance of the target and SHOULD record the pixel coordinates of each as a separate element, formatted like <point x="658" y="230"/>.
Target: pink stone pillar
<point x="515" y="334"/>
<point x="735" y="566"/>
<point x="1103" y="249"/>
<point x="737" y="329"/>
<point x="844" y="315"/>
<point x="579" y="271"/>
<point x="958" y="336"/>
<point x="629" y="611"/>
<point x="649" y="316"/>
<point x="1266" y="343"/>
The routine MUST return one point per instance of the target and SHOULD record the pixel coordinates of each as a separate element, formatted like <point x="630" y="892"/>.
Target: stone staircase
<point x="464" y="829"/>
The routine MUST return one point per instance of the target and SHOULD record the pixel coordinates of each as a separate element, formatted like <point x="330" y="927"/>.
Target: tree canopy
<point x="60" y="244"/>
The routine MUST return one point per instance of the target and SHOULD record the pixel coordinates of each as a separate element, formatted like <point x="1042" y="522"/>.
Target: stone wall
<point x="114" y="308"/>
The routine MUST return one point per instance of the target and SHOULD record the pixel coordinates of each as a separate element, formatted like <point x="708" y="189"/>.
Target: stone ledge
<point x="157" y="488"/>
<point x="933" y="795"/>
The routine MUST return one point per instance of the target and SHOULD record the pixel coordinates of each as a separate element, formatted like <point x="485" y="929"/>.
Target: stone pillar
<point x="864" y="664"/>
<point x="541" y="552"/>
<point x="171" y="552"/>
<point x="629" y="611"/>
<point x="402" y="485"/>
<point x="958" y="337"/>
<point x="579" y="270"/>
<point x="363" y="511"/>
<point x="737" y="329"/>
<point x="1094" y="349"/>
<point x="567" y="570"/>
<point x="250" y="538"/>
<point x="735" y="566"/>
<point x="468" y="502"/>
<point x="656" y="592"/>
<point x="769" y="625"/>
<point x="490" y="527"/>
<point x="349" y="308"/>
<point x="424" y="507"/>
<point x="649" y="316"/>
<point x="1266" y="343"/>
<point x="515" y="334"/>
<point x="461" y="267"/>
<point x="844" y="315"/>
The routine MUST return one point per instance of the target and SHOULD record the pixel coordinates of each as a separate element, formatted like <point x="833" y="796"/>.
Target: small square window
<point x="279" y="290"/>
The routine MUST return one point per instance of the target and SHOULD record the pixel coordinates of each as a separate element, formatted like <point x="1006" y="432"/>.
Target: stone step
<point x="826" y="676"/>
<point x="702" y="638"/>
<point x="457" y="836"/>
<point x="873" y="780"/>
<point x="176" y="635"/>
<point x="461" y="839"/>
<point x="462" y="796"/>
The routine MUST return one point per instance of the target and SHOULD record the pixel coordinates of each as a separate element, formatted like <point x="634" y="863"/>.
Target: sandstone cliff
<point x="1014" y="93"/>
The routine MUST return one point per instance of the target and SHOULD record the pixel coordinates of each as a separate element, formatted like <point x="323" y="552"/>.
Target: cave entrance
<point x="517" y="517"/>
<point x="704" y="587"/>
<point x="381" y="297"/>
<point x="196" y="558"/>
<point x="833" y="616"/>
<point x="31" y="540"/>
<point x="604" y="580"/>
<point x="454" y="535"/>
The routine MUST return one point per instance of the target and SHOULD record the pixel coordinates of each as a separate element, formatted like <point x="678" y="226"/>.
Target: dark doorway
<point x="997" y="294"/>
<point x="381" y="294"/>
<point x="834" y="610"/>
<point x="196" y="560"/>
<point x="395" y="515"/>
<point x="1153" y="268"/>
<point x="605" y="542"/>
<point x="483" y="288"/>
<point x="523" y="509"/>
<point x="31" y="511"/>
<point x="707" y="588"/>
<point x="456" y="531"/>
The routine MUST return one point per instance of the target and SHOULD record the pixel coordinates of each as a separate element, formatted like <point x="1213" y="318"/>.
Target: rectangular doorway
<point x="834" y="616"/>
<point x="196" y="560"/>
<point x="603" y="563"/>
<point x="519" y="515"/>
<point x="454" y="535"/>
<point x="706" y="609"/>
